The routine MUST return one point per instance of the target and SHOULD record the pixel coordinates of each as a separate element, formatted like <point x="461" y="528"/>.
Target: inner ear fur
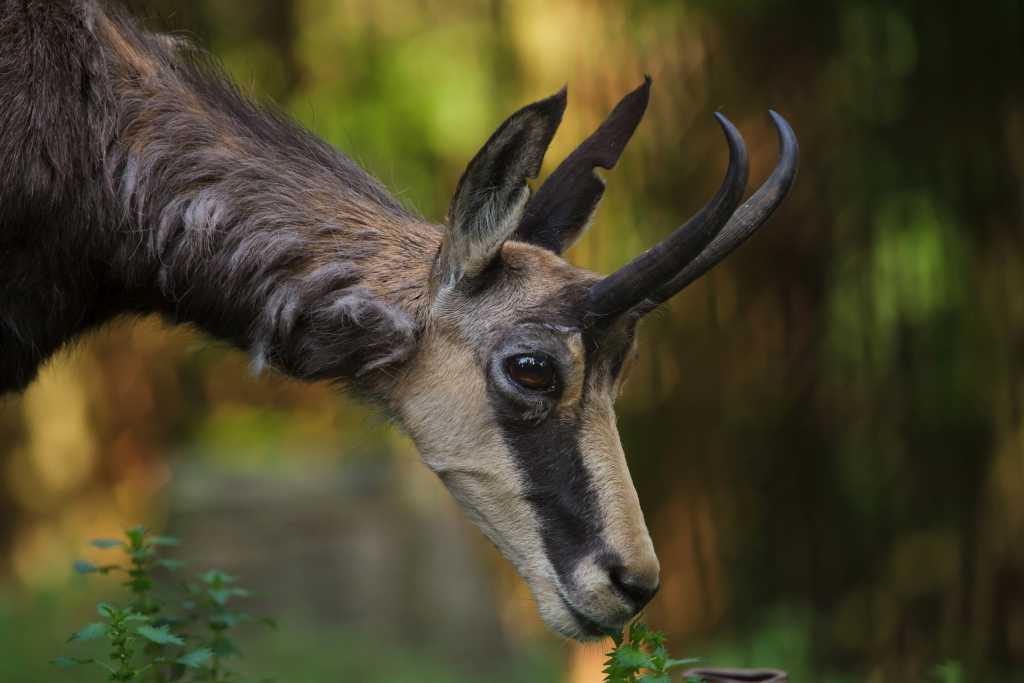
<point x="491" y="195"/>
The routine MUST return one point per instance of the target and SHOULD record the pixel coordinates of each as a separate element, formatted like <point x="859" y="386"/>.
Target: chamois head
<point x="510" y="396"/>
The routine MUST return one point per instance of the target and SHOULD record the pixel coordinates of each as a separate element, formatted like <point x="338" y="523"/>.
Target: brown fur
<point x="134" y="178"/>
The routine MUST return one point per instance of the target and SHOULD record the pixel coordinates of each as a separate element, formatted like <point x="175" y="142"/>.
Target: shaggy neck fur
<point x="136" y="178"/>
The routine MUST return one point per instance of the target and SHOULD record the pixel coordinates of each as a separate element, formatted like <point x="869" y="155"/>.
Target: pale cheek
<point x="445" y="409"/>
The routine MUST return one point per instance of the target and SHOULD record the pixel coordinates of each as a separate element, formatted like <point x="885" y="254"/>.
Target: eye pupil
<point x="531" y="371"/>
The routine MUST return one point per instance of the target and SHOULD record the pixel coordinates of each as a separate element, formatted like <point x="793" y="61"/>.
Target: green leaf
<point x="632" y="657"/>
<point x="196" y="658"/>
<point x="162" y="540"/>
<point x="655" y="678"/>
<point x="223" y="646"/>
<point x="216" y="577"/>
<point x="90" y="632"/>
<point x="672" y="663"/>
<point x="160" y="636"/>
<point x="171" y="565"/>
<point x="83" y="567"/>
<point x="110" y="668"/>
<point x="642" y="634"/>
<point x="106" y="543"/>
<point x="106" y="610"/>
<point x="225" y="620"/>
<point x="139" y="555"/>
<point x="222" y="595"/>
<point x="613" y="675"/>
<point x="69" y="662"/>
<point x="139" y="584"/>
<point x="135" y="535"/>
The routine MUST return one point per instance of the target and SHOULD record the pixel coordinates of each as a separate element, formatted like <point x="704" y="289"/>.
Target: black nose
<point x="634" y="588"/>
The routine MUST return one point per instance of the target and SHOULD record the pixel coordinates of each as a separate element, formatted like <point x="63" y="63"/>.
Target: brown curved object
<point x="737" y="675"/>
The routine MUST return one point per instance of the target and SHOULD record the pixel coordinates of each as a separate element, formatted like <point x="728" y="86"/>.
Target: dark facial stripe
<point x="559" y="486"/>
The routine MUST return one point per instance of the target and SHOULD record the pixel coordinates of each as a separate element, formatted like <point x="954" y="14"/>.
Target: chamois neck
<point x="254" y="229"/>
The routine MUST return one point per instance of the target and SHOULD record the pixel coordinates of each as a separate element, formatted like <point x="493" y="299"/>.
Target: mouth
<point x="587" y="628"/>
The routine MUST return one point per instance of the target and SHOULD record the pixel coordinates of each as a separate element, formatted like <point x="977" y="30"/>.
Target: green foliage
<point x="643" y="658"/>
<point x="168" y="631"/>
<point x="949" y="672"/>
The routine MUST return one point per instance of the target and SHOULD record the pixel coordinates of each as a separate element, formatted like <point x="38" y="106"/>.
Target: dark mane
<point x="187" y="199"/>
<point x="265" y="123"/>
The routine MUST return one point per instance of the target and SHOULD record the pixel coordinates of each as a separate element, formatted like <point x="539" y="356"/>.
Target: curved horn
<point x="748" y="218"/>
<point x="649" y="271"/>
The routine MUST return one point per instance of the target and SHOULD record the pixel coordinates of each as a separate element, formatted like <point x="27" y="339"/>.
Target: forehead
<point x="532" y="284"/>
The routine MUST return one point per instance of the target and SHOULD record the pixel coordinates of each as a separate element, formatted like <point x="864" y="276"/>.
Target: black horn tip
<point x="738" y="162"/>
<point x="732" y="137"/>
<point x="789" y="149"/>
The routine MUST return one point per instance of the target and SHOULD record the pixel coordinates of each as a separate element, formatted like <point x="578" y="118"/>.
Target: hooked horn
<point x="705" y="239"/>
<point x="634" y="282"/>
<point x="751" y="215"/>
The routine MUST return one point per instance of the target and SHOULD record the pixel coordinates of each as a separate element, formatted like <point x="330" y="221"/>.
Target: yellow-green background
<point x="826" y="433"/>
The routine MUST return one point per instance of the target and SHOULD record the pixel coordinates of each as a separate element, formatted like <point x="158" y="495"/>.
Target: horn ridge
<point x="650" y="271"/>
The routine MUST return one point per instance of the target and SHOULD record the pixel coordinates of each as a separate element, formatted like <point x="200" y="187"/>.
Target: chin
<point x="567" y="621"/>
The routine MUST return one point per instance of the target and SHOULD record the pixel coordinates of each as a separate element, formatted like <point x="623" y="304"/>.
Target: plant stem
<point x="121" y="651"/>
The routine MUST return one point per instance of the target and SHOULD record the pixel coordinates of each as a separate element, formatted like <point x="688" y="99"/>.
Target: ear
<point x="563" y="206"/>
<point x="490" y="197"/>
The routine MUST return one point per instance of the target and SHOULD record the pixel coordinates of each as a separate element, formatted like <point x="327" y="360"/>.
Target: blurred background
<point x="826" y="432"/>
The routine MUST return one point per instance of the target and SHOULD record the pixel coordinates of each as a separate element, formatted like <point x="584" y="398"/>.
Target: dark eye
<point x="533" y="371"/>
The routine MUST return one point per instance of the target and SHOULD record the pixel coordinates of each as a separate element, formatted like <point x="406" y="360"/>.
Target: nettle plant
<point x="182" y="631"/>
<point x="169" y="629"/>
<point x="640" y="656"/>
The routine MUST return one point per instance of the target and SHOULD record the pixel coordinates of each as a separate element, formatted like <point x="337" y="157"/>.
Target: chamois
<point x="136" y="179"/>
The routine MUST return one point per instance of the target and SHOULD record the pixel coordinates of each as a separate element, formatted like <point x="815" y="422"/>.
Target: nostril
<point x="634" y="588"/>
